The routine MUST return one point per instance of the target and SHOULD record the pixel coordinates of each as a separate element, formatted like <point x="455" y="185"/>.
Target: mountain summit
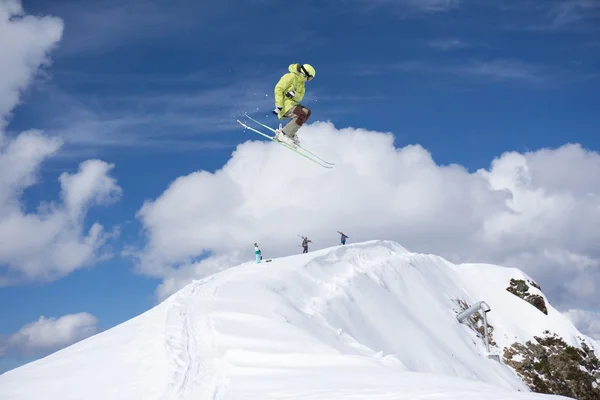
<point x="363" y="321"/>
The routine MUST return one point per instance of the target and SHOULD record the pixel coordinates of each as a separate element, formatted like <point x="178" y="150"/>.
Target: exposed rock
<point x="520" y="288"/>
<point x="549" y="365"/>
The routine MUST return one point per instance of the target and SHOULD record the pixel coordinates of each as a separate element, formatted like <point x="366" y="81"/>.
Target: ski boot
<point x="280" y="136"/>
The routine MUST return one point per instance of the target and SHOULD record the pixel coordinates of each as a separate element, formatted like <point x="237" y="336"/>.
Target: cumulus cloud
<point x="537" y="211"/>
<point x="54" y="240"/>
<point x="47" y="335"/>
<point x="25" y="41"/>
<point x="91" y="185"/>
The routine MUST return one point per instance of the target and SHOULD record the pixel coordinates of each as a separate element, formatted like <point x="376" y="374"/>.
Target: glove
<point x="277" y="110"/>
<point x="291" y="94"/>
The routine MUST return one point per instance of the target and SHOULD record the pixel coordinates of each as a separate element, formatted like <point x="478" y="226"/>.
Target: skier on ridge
<point x="289" y="92"/>
<point x="343" y="238"/>
<point x="305" y="242"/>
<point x="258" y="253"/>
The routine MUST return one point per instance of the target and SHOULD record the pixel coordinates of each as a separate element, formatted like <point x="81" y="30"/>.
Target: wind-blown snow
<point x="368" y="320"/>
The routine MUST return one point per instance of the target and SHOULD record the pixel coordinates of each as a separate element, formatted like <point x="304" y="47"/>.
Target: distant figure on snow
<point x="343" y="238"/>
<point x="258" y="253"/>
<point x="289" y="92"/>
<point x="305" y="243"/>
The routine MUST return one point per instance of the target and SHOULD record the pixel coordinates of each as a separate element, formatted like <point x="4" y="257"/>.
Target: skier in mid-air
<point x="289" y="92"/>
<point x="343" y="238"/>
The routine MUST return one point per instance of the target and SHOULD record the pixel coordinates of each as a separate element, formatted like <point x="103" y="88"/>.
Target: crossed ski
<point x="311" y="156"/>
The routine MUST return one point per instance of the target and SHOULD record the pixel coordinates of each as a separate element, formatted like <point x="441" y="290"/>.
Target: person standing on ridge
<point x="343" y="238"/>
<point x="258" y="253"/>
<point x="305" y="243"/>
<point x="289" y="92"/>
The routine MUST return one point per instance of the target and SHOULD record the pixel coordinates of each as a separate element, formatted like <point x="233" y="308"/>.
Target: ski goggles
<point x="305" y="72"/>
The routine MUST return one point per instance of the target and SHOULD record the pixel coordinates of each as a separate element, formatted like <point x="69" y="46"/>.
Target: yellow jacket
<point x="293" y="80"/>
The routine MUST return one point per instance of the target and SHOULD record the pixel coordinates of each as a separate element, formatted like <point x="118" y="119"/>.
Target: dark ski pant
<point x="305" y="249"/>
<point x="299" y="115"/>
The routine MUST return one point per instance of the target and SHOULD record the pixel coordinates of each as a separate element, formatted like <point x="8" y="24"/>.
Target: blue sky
<point x="154" y="87"/>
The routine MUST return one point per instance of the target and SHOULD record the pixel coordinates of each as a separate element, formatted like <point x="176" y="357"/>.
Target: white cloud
<point x="495" y="70"/>
<point x="538" y="211"/>
<point x="588" y="322"/>
<point x="98" y="27"/>
<point x="436" y="5"/>
<point x="573" y="11"/>
<point x="52" y="241"/>
<point x="19" y="159"/>
<point x="504" y="70"/>
<point x="172" y="119"/>
<point x="91" y="185"/>
<point x="49" y="334"/>
<point x="539" y="16"/>
<point x="433" y="5"/>
<point x="420" y="5"/>
<point x="447" y="44"/>
<point x="24" y="44"/>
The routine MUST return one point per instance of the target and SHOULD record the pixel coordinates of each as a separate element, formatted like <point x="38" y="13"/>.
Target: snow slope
<point x="362" y="321"/>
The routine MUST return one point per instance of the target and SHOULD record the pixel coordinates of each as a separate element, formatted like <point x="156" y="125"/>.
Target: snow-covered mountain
<point x="363" y="321"/>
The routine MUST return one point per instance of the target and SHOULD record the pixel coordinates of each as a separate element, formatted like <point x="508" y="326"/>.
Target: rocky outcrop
<point x="549" y="365"/>
<point x="520" y="288"/>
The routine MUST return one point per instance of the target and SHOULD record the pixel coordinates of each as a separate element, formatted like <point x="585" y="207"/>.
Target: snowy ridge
<point x="369" y="320"/>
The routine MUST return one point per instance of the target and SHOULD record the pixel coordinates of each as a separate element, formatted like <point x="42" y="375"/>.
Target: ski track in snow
<point x="196" y="376"/>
